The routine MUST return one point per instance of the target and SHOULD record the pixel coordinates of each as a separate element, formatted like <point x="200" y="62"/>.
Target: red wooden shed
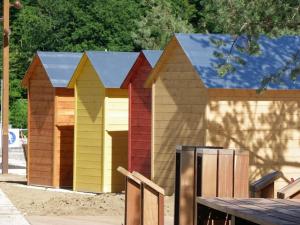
<point x="139" y="135"/>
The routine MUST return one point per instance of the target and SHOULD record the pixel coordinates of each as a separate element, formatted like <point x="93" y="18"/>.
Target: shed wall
<point x="140" y="121"/>
<point x="178" y="108"/>
<point x="116" y="138"/>
<point x="65" y="106"/>
<point x="267" y="125"/>
<point x="90" y="95"/>
<point x="41" y="121"/>
<point x="64" y="137"/>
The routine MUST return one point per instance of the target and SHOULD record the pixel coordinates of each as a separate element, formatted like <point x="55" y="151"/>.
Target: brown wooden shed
<point x="50" y="118"/>
<point x="192" y="104"/>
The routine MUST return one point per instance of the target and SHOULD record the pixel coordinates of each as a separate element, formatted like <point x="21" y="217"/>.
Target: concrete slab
<point x="9" y="214"/>
<point x="82" y="220"/>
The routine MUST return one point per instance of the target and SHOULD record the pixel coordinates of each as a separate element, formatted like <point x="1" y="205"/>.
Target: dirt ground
<point x="33" y="201"/>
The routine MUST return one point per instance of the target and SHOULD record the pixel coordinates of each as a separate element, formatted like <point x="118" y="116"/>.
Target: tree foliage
<point x="157" y="24"/>
<point x="18" y="115"/>
<point x="246" y="19"/>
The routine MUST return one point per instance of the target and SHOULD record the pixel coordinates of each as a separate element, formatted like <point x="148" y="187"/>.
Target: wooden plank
<point x="161" y="206"/>
<point x="246" y="210"/>
<point x="126" y="173"/>
<point x="225" y="173"/>
<point x="150" y="207"/>
<point x="267" y="207"/>
<point x="148" y="182"/>
<point x="187" y="206"/>
<point x="133" y="202"/>
<point x="241" y="174"/>
<point x="209" y="173"/>
<point x="278" y="208"/>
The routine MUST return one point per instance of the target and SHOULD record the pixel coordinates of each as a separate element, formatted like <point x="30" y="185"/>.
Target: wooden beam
<point x="5" y="87"/>
<point x="148" y="182"/>
<point x="133" y="200"/>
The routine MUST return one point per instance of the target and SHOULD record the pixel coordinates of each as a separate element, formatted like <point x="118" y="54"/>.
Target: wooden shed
<point x="192" y="104"/>
<point x="50" y="118"/>
<point x="101" y="120"/>
<point x="139" y="133"/>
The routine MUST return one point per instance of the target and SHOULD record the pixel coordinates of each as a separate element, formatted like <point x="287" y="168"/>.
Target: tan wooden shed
<point x="50" y="118"/>
<point x="193" y="105"/>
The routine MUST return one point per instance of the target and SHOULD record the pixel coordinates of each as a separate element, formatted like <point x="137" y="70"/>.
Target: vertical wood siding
<point x="178" y="108"/>
<point x="267" y="125"/>
<point x="140" y="121"/>
<point x="41" y="121"/>
<point x="116" y="138"/>
<point x="90" y="95"/>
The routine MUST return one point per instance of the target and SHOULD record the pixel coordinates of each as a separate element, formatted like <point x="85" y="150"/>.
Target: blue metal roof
<point x="200" y="49"/>
<point x="152" y="56"/>
<point x="112" y="67"/>
<point x="59" y="66"/>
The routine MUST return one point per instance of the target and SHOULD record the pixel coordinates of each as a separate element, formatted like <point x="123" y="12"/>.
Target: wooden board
<point x="133" y="203"/>
<point x="258" y="211"/>
<point x="150" y="207"/>
<point x="187" y="207"/>
<point x="133" y="200"/>
<point x="241" y="174"/>
<point x="225" y="173"/>
<point x="209" y="174"/>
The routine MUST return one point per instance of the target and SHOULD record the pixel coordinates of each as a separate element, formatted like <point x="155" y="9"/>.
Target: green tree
<point x="157" y="25"/>
<point x="270" y="17"/>
<point x="18" y="113"/>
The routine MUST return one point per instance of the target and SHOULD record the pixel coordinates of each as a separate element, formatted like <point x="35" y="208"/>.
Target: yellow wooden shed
<point x="192" y="104"/>
<point x="101" y="120"/>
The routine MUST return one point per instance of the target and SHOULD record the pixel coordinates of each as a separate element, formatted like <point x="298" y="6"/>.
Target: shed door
<point x="66" y="138"/>
<point x="119" y="140"/>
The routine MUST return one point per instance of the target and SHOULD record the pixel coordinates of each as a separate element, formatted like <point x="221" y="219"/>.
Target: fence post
<point x="132" y="198"/>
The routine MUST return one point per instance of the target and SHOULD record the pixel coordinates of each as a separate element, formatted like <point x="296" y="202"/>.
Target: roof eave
<point x="30" y="70"/>
<point x="154" y="73"/>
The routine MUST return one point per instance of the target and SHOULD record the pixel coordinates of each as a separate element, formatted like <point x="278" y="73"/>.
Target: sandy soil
<point x="34" y="201"/>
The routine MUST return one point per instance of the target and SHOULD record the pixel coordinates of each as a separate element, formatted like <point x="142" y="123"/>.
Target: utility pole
<point x="5" y="90"/>
<point x="5" y="77"/>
